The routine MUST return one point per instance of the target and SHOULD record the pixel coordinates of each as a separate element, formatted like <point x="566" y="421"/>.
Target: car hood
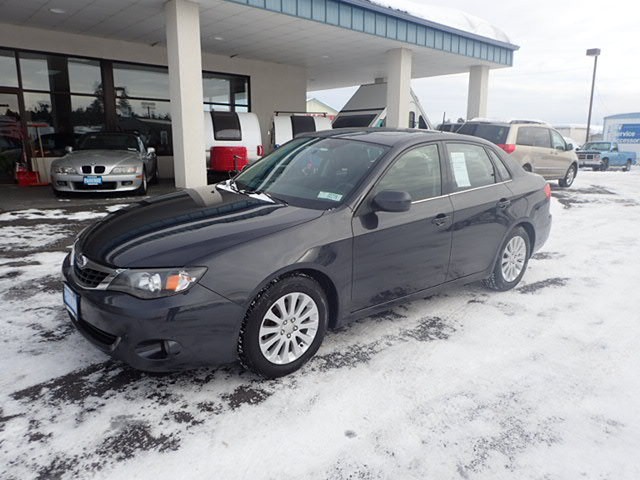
<point x="99" y="157"/>
<point x="183" y="228"/>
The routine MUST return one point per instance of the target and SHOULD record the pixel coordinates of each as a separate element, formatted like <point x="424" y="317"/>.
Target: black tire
<point x="497" y="280"/>
<point x="605" y="165"/>
<point x="142" y="189"/>
<point x="249" y="352"/>
<point x="569" y="177"/>
<point x="527" y="168"/>
<point x="628" y="166"/>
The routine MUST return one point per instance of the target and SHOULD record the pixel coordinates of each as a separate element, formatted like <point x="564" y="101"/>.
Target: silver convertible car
<point x="105" y="162"/>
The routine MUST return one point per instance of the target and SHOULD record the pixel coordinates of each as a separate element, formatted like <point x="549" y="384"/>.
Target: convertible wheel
<point x="569" y="177"/>
<point x="142" y="189"/>
<point x="283" y="327"/>
<point x="511" y="263"/>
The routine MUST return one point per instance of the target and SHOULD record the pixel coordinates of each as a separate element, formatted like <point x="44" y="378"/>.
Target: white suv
<point x="535" y="145"/>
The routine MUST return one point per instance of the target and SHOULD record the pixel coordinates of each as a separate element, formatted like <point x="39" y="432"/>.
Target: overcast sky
<point x="551" y="76"/>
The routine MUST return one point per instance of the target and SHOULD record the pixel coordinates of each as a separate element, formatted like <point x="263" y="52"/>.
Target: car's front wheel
<point x="628" y="166"/>
<point x="142" y="189"/>
<point x="284" y="326"/>
<point x="569" y="177"/>
<point x="511" y="262"/>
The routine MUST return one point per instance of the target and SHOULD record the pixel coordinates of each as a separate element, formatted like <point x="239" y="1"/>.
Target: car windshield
<point x="599" y="146"/>
<point x="108" y="141"/>
<point x="317" y="173"/>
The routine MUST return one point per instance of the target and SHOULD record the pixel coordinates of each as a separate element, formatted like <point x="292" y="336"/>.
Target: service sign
<point x="627" y="133"/>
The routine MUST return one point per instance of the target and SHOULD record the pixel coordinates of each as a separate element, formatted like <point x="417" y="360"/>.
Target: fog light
<point x="127" y="183"/>
<point x="158" y="349"/>
<point x="61" y="184"/>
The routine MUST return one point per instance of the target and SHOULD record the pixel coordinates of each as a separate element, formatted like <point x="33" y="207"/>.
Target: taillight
<point x="507" y="147"/>
<point x="260" y="150"/>
<point x="547" y="190"/>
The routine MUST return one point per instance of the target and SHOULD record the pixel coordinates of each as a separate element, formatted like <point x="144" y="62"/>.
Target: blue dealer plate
<point x="70" y="300"/>
<point x="93" y="180"/>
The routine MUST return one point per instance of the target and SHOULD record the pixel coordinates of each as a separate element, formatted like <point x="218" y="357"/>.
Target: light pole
<point x="592" y="52"/>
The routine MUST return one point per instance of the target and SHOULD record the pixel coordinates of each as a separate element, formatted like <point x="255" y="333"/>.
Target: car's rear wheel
<point x="569" y="177"/>
<point x="511" y="262"/>
<point x="284" y="326"/>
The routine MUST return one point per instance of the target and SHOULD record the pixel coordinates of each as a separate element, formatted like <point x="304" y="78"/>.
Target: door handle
<point x="504" y="203"/>
<point x="440" y="219"/>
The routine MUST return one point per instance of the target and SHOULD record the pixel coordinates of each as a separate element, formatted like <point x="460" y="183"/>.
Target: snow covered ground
<point x="542" y="382"/>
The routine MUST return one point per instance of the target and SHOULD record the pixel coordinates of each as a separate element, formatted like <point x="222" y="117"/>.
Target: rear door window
<point x="226" y="126"/>
<point x="494" y="133"/>
<point x="302" y="124"/>
<point x="533" y="137"/>
<point x="470" y="166"/>
<point x="347" y="121"/>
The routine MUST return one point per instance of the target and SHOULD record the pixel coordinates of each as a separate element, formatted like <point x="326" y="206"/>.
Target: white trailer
<point x="286" y="125"/>
<point x="367" y="108"/>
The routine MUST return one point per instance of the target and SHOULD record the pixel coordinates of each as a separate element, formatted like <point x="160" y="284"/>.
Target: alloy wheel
<point x="513" y="258"/>
<point x="288" y="328"/>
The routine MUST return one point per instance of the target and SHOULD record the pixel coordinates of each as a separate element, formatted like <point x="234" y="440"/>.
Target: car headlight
<point x="156" y="283"/>
<point x="64" y="170"/>
<point x="124" y="170"/>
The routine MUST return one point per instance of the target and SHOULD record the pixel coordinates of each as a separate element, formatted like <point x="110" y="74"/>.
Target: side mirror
<point x="392" y="201"/>
<point x="151" y="150"/>
<point x="68" y="149"/>
<point x="569" y="147"/>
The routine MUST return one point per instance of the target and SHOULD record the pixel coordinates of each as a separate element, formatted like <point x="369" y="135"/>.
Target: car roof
<point x="393" y="137"/>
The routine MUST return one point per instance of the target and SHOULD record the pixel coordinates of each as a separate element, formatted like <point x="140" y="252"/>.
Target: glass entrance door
<point x="11" y="135"/>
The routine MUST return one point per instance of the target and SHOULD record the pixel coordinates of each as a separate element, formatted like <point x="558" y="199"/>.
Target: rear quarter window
<point x="494" y="133"/>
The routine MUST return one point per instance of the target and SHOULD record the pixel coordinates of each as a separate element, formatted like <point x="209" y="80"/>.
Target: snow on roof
<point x="449" y="17"/>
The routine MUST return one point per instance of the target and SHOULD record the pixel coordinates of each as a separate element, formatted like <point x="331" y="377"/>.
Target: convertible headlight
<point x="64" y="170"/>
<point x="155" y="283"/>
<point x="124" y="170"/>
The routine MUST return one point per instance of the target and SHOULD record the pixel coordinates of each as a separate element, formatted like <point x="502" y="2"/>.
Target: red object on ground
<point x="28" y="179"/>
<point x="228" y="159"/>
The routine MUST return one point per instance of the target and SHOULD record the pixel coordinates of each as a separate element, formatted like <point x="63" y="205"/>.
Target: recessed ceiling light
<point x="57" y="11"/>
<point x="325" y="56"/>
<point x="218" y="38"/>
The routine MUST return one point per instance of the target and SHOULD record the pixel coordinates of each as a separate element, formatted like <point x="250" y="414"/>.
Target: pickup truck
<point x="602" y="155"/>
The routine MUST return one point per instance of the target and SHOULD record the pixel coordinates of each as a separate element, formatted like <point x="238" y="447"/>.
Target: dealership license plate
<point x="93" y="180"/>
<point x="71" y="300"/>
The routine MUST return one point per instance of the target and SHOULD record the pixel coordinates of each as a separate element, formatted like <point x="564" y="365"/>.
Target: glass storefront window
<point x="240" y="91"/>
<point x="215" y="89"/>
<point x="57" y="120"/>
<point x="140" y="81"/>
<point x="8" y="70"/>
<point x="151" y="119"/>
<point x="85" y="76"/>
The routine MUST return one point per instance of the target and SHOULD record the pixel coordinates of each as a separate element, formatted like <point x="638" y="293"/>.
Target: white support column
<point x="398" y="87"/>
<point x="478" y="89"/>
<point x="185" y="92"/>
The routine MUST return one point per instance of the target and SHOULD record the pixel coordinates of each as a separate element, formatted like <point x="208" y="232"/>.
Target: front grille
<point x="88" y="277"/>
<point x="99" y="169"/>
<point x="86" y="169"/>
<point x="103" y="186"/>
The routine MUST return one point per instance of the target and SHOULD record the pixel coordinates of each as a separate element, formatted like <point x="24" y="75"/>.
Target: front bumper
<point x="594" y="162"/>
<point x="110" y="183"/>
<point x="196" y="328"/>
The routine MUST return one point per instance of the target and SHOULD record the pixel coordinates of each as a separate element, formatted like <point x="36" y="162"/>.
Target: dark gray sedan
<point x="332" y="226"/>
<point x="105" y="162"/>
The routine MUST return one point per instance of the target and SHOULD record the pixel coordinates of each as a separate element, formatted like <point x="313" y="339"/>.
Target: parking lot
<point x="539" y="382"/>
